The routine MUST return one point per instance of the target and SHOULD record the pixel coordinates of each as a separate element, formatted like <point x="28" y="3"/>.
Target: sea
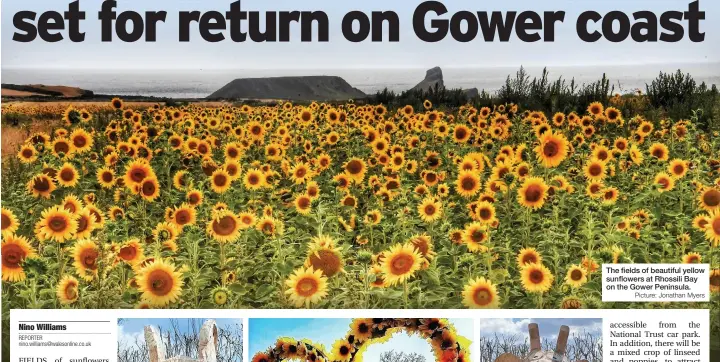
<point x="199" y="83"/>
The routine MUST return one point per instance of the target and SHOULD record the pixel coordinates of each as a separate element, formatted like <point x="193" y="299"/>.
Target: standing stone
<point x="154" y="344"/>
<point x="207" y="349"/>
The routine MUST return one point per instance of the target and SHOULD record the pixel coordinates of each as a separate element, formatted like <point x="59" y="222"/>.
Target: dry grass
<point x="69" y="92"/>
<point x="78" y="104"/>
<point x="13" y="137"/>
<point x="16" y="93"/>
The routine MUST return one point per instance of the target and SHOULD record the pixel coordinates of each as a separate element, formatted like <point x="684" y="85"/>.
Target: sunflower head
<point x="306" y="286"/>
<point x="552" y="150"/>
<point x="536" y="278"/>
<point x="160" y="283"/>
<point x="480" y="293"/>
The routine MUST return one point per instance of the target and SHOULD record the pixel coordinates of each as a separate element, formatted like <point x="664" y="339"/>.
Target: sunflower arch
<point x="364" y="332"/>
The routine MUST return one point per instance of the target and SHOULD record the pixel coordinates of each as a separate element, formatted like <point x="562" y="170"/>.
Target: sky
<point x="338" y="53"/>
<point x="549" y="328"/>
<point x="131" y="331"/>
<point x="264" y="332"/>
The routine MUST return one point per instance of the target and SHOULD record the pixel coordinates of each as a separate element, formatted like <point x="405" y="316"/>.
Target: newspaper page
<point x="349" y="181"/>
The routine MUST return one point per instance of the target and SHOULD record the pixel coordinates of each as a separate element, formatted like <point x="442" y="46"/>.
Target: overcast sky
<point x="131" y="332"/>
<point x="339" y="53"/>
<point x="549" y="328"/>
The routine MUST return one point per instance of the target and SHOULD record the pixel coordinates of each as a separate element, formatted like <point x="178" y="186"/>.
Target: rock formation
<point x="433" y="77"/>
<point x="312" y="88"/>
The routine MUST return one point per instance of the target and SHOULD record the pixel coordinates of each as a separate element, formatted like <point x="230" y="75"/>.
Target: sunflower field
<point x="352" y="206"/>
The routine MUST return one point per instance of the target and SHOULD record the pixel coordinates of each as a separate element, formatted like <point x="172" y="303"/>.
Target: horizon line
<point x="369" y="67"/>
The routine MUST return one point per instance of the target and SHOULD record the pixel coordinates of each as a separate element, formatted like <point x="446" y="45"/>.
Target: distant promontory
<point x="308" y="88"/>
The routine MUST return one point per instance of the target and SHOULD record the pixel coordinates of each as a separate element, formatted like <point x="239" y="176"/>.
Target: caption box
<point x="656" y="283"/>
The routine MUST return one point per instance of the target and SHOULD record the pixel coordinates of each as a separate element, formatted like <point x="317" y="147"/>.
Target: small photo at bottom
<point x="541" y="340"/>
<point x="361" y="339"/>
<point x="180" y="340"/>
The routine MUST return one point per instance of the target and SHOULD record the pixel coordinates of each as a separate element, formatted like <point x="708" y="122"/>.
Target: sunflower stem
<point x="367" y="288"/>
<point x="405" y="293"/>
<point x="222" y="260"/>
<point x="61" y="260"/>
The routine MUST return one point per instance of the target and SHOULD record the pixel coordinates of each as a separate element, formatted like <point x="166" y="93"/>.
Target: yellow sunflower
<point x="116" y="103"/>
<point x="136" y="172"/>
<point x="715" y="281"/>
<point x="576" y="276"/>
<point x="41" y="186"/>
<point x="9" y="222"/>
<point x="149" y="189"/>
<point x="709" y="199"/>
<point x="536" y="278"/>
<point x="373" y="217"/>
<point x="131" y="252"/>
<point x="480" y="293"/>
<point x="165" y="232"/>
<point x="636" y="155"/>
<point x="430" y="209"/>
<point x="220" y="181"/>
<point x="85" y="224"/>
<point x="664" y="182"/>
<point x="57" y="224"/>
<point x="15" y="249"/>
<point x="247" y="220"/>
<point x="106" y="177"/>
<point x="595" y="170"/>
<point x="68" y="290"/>
<point x="712" y="229"/>
<point x="300" y="173"/>
<point x="82" y="141"/>
<point x="325" y="257"/>
<point x="595" y="108"/>
<point x="342" y="351"/>
<point x="361" y="329"/>
<point x="267" y="225"/>
<point x="528" y="256"/>
<point x="303" y="204"/>
<point x="355" y="169"/>
<point x="678" y="168"/>
<point x="67" y="175"/>
<point x="27" y="154"/>
<point x="533" y="193"/>
<point x="184" y="215"/>
<point x="85" y="255"/>
<point x="610" y="195"/>
<point x="159" y="283"/>
<point x="692" y="258"/>
<point x="474" y="236"/>
<point x="224" y="227"/>
<point x="553" y="149"/>
<point x="400" y="263"/>
<point x="461" y="133"/>
<point x="180" y="180"/>
<point x="306" y="286"/>
<point x="61" y="147"/>
<point x="467" y="184"/>
<point x="194" y="197"/>
<point x="254" y="179"/>
<point x="659" y="151"/>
